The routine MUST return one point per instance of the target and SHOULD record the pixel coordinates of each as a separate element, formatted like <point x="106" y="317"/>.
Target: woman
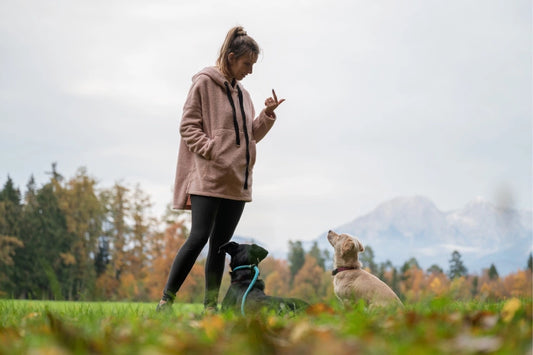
<point x="215" y="160"/>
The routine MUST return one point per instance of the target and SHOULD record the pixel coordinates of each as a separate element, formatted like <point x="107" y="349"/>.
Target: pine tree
<point x="39" y="268"/>
<point x="10" y="219"/>
<point x="457" y="268"/>
<point x="493" y="273"/>
<point x="367" y="259"/>
<point x="12" y="209"/>
<point x="530" y="262"/>
<point x="318" y="254"/>
<point x="296" y="257"/>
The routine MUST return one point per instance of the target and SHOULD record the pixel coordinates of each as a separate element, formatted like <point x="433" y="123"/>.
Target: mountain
<point x="407" y="227"/>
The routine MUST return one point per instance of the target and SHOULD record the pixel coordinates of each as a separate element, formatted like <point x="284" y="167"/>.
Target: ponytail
<point x="239" y="43"/>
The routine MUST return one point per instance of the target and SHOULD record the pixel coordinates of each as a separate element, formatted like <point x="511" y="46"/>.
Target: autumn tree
<point x="276" y="275"/>
<point x="412" y="280"/>
<point x="409" y="264"/>
<point x="457" y="268"/>
<point x="519" y="284"/>
<point x="84" y="217"/>
<point x="162" y="251"/>
<point x="142" y="230"/>
<point x="435" y="269"/>
<point x="308" y="281"/>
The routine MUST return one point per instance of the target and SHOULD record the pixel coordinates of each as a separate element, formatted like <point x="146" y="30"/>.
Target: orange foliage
<point x="106" y="286"/>
<point x="308" y="280"/>
<point x="164" y="248"/>
<point x="414" y="281"/>
<point x="277" y="276"/>
<point x="519" y="284"/>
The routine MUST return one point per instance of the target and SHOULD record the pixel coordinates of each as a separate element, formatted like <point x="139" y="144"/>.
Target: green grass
<point x="438" y="326"/>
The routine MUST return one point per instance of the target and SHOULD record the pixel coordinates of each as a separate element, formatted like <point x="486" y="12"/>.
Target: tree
<point x="10" y="219"/>
<point x="308" y="280"/>
<point x="367" y="259"/>
<point x="409" y="264"/>
<point x="12" y="209"/>
<point x="84" y="216"/>
<point x="435" y="269"/>
<point x="457" y="268"/>
<point x="319" y="255"/>
<point x="39" y="269"/>
<point x="116" y="202"/>
<point x="296" y="257"/>
<point x="277" y="276"/>
<point x="141" y="231"/>
<point x="493" y="273"/>
<point x="530" y="262"/>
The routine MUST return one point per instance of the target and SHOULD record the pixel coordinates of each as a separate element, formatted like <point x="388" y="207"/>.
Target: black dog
<point x="245" y="283"/>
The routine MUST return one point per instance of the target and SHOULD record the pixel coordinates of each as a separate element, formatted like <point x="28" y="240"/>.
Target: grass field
<point x="438" y="326"/>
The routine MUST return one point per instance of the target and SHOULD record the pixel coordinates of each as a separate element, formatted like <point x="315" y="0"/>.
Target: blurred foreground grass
<point x="438" y="326"/>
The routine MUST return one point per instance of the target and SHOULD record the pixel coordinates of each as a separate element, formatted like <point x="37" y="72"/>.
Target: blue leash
<point x="256" y="269"/>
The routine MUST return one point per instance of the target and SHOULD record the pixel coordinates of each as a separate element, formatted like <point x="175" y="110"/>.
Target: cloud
<point x="383" y="99"/>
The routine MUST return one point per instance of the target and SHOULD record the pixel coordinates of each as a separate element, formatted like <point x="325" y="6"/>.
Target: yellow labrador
<point x="351" y="282"/>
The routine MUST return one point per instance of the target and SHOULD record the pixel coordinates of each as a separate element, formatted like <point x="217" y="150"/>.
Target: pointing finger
<point x="274" y="94"/>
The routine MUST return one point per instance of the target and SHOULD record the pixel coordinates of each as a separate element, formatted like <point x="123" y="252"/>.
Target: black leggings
<point x="213" y="219"/>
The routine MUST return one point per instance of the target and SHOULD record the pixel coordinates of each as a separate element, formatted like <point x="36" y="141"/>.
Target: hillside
<point x="407" y="227"/>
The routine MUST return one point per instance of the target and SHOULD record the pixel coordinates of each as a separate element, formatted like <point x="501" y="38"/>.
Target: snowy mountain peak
<point x="406" y="227"/>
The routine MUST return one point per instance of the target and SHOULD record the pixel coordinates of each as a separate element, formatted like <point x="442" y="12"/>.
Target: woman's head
<point x="238" y="54"/>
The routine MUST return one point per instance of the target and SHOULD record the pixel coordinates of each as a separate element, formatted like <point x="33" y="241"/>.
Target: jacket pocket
<point x="228" y="160"/>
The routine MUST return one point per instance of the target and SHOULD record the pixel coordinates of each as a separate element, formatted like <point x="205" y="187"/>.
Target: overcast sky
<point x="384" y="99"/>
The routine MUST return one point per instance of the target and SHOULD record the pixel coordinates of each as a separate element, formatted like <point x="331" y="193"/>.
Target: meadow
<point x="436" y="326"/>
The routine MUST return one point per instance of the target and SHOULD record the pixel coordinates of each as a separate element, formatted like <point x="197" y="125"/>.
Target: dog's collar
<point x="343" y="268"/>
<point x="240" y="267"/>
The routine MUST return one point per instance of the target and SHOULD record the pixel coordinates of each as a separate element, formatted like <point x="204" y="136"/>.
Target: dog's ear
<point x="348" y="247"/>
<point x="257" y="253"/>
<point x="359" y="245"/>
<point x="229" y="247"/>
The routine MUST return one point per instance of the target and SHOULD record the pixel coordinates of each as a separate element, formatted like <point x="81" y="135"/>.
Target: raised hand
<point x="272" y="103"/>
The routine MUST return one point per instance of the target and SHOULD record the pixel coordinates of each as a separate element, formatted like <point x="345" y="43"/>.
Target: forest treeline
<point x="70" y="239"/>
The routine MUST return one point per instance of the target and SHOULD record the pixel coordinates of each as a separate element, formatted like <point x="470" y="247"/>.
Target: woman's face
<point x="242" y="66"/>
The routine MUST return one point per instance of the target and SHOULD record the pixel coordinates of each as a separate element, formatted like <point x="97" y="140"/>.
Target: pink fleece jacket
<point x="218" y="140"/>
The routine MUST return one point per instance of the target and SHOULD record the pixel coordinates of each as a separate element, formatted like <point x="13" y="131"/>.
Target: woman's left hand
<point x="272" y="103"/>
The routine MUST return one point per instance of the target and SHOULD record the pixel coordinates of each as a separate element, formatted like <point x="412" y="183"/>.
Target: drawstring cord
<point x="236" y="127"/>
<point x="235" y="123"/>
<point x="256" y="269"/>
<point x="246" y="138"/>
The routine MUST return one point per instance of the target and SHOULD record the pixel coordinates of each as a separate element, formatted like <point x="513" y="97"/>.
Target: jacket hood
<point x="213" y="73"/>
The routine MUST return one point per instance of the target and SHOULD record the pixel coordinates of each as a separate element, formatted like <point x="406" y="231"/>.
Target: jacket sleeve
<point x="192" y="128"/>
<point x="261" y="125"/>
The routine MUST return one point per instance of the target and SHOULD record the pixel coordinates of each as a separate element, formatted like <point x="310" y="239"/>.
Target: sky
<point x="383" y="99"/>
